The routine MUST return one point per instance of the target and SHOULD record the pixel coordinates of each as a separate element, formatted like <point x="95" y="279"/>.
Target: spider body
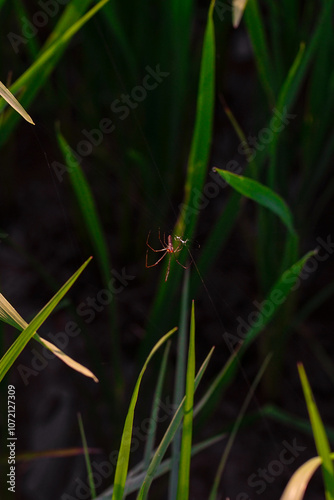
<point x="168" y="249"/>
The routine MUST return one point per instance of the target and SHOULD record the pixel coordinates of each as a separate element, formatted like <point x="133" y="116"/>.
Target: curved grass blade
<point x="168" y="437"/>
<point x="124" y="452"/>
<point x="10" y="316"/>
<point x="261" y="194"/>
<point x="14" y="103"/>
<point x="22" y="340"/>
<point x="319" y="433"/>
<point x="296" y="487"/>
<point x="35" y="76"/>
<point x="185" y="455"/>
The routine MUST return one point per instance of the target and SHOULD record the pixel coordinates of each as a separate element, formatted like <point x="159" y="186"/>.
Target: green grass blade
<point x="256" y="30"/>
<point x="87" y="207"/>
<point x="236" y="426"/>
<point x="134" y="482"/>
<point x="261" y="194"/>
<point x="155" y="409"/>
<point x="10" y="316"/>
<point x="124" y="452"/>
<point x="279" y="293"/>
<point x="202" y="136"/>
<point x="168" y="437"/>
<point x="319" y="433"/>
<point x="94" y="228"/>
<point x="179" y="388"/>
<point x="36" y="75"/>
<point x="87" y="459"/>
<point x="14" y="103"/>
<point x="196" y="168"/>
<point x="22" y="340"/>
<point x="185" y="455"/>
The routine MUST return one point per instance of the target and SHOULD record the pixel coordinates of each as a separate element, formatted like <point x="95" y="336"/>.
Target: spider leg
<point x="157" y="262"/>
<point x="184" y="267"/>
<point x="168" y="267"/>
<point x="149" y="246"/>
<point x="176" y="251"/>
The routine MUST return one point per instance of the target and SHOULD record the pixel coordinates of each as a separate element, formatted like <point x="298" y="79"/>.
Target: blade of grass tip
<point x="185" y="455"/>
<point x="14" y="103"/>
<point x="17" y="347"/>
<point x="168" y="436"/>
<point x="155" y="409"/>
<point x="238" y="8"/>
<point x="250" y="395"/>
<point x="319" y="434"/>
<point x="10" y="316"/>
<point x="180" y="373"/>
<point x="124" y="452"/>
<point x="87" y="458"/>
<point x="296" y="487"/>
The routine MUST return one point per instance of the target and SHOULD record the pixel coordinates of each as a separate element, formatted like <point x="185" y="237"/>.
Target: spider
<point x="167" y="248"/>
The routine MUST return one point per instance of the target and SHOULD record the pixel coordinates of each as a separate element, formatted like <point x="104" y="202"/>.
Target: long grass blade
<point x="185" y="455"/>
<point x="17" y="347"/>
<point x="10" y="316"/>
<point x="179" y="387"/>
<point x="155" y="409"/>
<point x="236" y="426"/>
<point x="87" y="459"/>
<point x="319" y="433"/>
<point x="35" y="76"/>
<point x="135" y="478"/>
<point x="168" y="436"/>
<point x="124" y="452"/>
